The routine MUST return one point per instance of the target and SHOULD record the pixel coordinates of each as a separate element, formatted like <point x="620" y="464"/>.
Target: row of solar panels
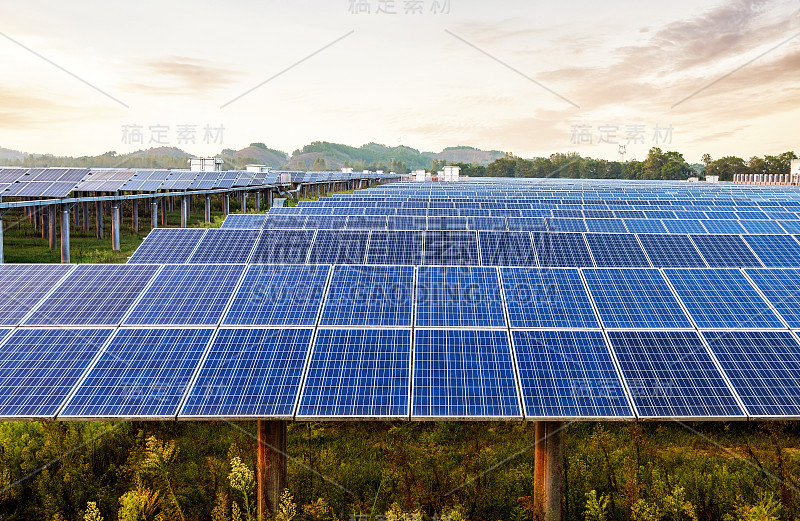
<point x="524" y="203"/>
<point x="465" y="248"/>
<point x="236" y="371"/>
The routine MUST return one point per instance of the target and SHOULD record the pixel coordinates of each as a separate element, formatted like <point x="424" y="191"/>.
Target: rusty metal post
<point x="271" y="467"/>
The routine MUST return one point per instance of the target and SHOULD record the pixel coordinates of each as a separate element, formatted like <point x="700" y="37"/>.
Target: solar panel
<point x="683" y="226"/>
<point x="721" y="298"/>
<point x="644" y="226"/>
<point x="395" y="247"/>
<point x="273" y="295"/>
<point x="792" y="227"/>
<point x="670" y="374"/>
<point x="39" y="368"/>
<point x="763" y="368"/>
<point x="142" y="373"/>
<point x="326" y="222"/>
<point x="93" y="295"/>
<point x="451" y="248"/>
<point x="369" y="296"/>
<point x="671" y="251"/>
<point x="775" y="251"/>
<point x="725" y="251"/>
<point x="762" y="227"/>
<point x="723" y="226"/>
<point x="406" y="222"/>
<point x="487" y="223"/>
<point x="358" y="373"/>
<point x="463" y="374"/>
<point x="568" y="374"/>
<point x="526" y="224"/>
<point x="616" y="250"/>
<point x="225" y="247"/>
<point x="366" y="222"/>
<point x="547" y="297"/>
<point x="22" y="286"/>
<point x="565" y="225"/>
<point x="244" y="221"/>
<point x="446" y="223"/>
<point x="506" y="249"/>
<point x="167" y="245"/>
<point x="561" y="250"/>
<point x="606" y="225"/>
<point x="459" y="297"/>
<point x="634" y="298"/>
<point x="781" y="287"/>
<point x="250" y="373"/>
<point x="339" y="247"/>
<point x="282" y="247"/>
<point x="187" y="294"/>
<point x="290" y="222"/>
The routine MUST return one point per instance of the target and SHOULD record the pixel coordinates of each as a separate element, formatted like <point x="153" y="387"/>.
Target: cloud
<point x="178" y="74"/>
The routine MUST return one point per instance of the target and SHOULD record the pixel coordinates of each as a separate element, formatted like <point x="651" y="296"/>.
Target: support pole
<point x="226" y="203"/>
<point x="76" y="216"/>
<point x="1" y="238"/>
<point x="164" y="212"/>
<point x="154" y="214"/>
<point x="244" y="202"/>
<point x="115" y="225"/>
<point x="271" y="467"/>
<point x="258" y="201"/>
<point x="548" y="469"/>
<point x="184" y="210"/>
<point x="99" y="226"/>
<point x="270" y="195"/>
<point x="65" y="234"/>
<point x="135" y="217"/>
<point x="208" y="208"/>
<point x="52" y="212"/>
<point x="85" y="216"/>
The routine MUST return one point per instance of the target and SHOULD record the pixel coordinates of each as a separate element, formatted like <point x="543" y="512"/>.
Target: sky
<point x="530" y="78"/>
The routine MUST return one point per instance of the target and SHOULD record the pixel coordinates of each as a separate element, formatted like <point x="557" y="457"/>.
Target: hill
<point x="258" y="153"/>
<point x="371" y="155"/>
<point x="464" y="154"/>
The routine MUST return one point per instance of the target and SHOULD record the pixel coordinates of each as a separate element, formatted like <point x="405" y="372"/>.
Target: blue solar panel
<point x="671" y="251"/>
<point x="339" y="247"/>
<point x="244" y="221"/>
<point x="395" y="247"/>
<point x="369" y="296"/>
<point x="670" y="374"/>
<point x="4" y="331"/>
<point x="565" y="225"/>
<point x="142" y="373"/>
<point x="362" y="373"/>
<point x="683" y="226"/>
<point x="187" y="294"/>
<point x="723" y="226"/>
<point x="163" y="245"/>
<point x="781" y="287"/>
<point x="282" y="247"/>
<point x="463" y="374"/>
<point x="763" y="368"/>
<point x="635" y="298"/>
<point x="721" y="298"/>
<point x="326" y="222"/>
<point x="568" y="374"/>
<point x="407" y="222"/>
<point x="93" y="294"/>
<point x="451" y="248"/>
<point x="644" y="226"/>
<point x="762" y="227"/>
<point x="446" y="223"/>
<point x="277" y="221"/>
<point x="606" y="225"/>
<point x="775" y="251"/>
<point x="22" y="286"/>
<point x="547" y="297"/>
<point x="366" y="222"/>
<point x="725" y="251"/>
<point x="459" y="297"/>
<point x="525" y="224"/>
<point x="250" y="373"/>
<point x="39" y="368"/>
<point x="616" y="250"/>
<point x="487" y="223"/>
<point x="790" y="226"/>
<point x="507" y="249"/>
<point x="225" y="247"/>
<point x="278" y="296"/>
<point x="561" y="250"/>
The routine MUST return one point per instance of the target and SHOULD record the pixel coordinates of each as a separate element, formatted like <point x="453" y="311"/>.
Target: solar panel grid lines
<point x="47" y="363"/>
<point x="23" y="287"/>
<point x="671" y="251"/>
<point x="616" y="249"/>
<point x="339" y="247"/>
<point x="568" y="375"/>
<point x="775" y="251"/>
<point x="244" y="221"/>
<point x="459" y="296"/>
<point x="369" y="296"/>
<point x="282" y="247"/>
<point x="562" y="249"/>
<point x="94" y="295"/>
<point x="451" y="248"/>
<point x="168" y="245"/>
<point x="672" y="375"/>
<point x="781" y="288"/>
<point x="229" y="246"/>
<point x="725" y="251"/>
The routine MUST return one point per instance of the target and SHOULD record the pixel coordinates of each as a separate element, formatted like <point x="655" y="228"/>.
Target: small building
<point x="712" y="179"/>
<point x="795" y="172"/>
<point x="205" y="164"/>
<point x="450" y="174"/>
<point x="258" y="168"/>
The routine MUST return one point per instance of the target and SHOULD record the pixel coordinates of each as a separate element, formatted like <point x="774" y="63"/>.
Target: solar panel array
<point x="494" y="299"/>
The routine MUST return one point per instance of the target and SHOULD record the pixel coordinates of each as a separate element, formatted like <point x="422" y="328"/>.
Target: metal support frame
<point x="85" y="207"/>
<point x="548" y="469"/>
<point x="135" y="215"/>
<point x="154" y="214"/>
<point x="271" y="467"/>
<point x="184" y="211"/>
<point x="244" y="202"/>
<point x="65" y="233"/>
<point x="164" y="206"/>
<point x="115" y="223"/>
<point x="208" y="209"/>
<point x="98" y="207"/>
<point x="51" y="222"/>
<point x="2" y="224"/>
<point x="258" y="201"/>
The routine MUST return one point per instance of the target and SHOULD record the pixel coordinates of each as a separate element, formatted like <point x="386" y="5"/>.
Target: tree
<point x="727" y="167"/>
<point x="319" y="164"/>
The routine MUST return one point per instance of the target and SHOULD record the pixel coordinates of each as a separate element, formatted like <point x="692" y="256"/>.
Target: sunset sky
<point x="531" y="78"/>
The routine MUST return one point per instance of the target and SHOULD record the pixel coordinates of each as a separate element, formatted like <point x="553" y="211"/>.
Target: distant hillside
<point x="13" y="155"/>
<point x="162" y="152"/>
<point x="260" y="154"/>
<point x="371" y="155"/>
<point x="467" y="155"/>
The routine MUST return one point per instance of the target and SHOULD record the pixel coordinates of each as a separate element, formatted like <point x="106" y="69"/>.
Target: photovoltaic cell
<point x="721" y="298"/>
<point x="407" y="222"/>
<point x="565" y="225"/>
<point x="683" y="226"/>
<point x="463" y="374"/>
<point x="451" y="248"/>
<point x="670" y="374"/>
<point x="277" y="221"/>
<point x="487" y="223"/>
<point x="361" y="373"/>
<point x="402" y="247"/>
<point x="635" y="298"/>
<point x="762" y="227"/>
<point x="644" y="226"/>
<point x="775" y="251"/>
<point x="547" y="297"/>
<point x="187" y="294"/>
<point x="339" y="247"/>
<point x="22" y="286"/>
<point x="459" y="297"/>
<point x="282" y="247"/>
<point x="781" y="287"/>
<point x="525" y="224"/>
<point x="250" y="373"/>
<point x="561" y="250"/>
<point x="94" y="294"/>
<point x="39" y="368"/>
<point x="671" y="251"/>
<point x="506" y="249"/>
<point x="568" y="374"/>
<point x="369" y="296"/>
<point x="366" y="222"/>
<point x="225" y="247"/>
<point x="167" y="245"/>
<point x="606" y="225"/>
<point x="719" y="226"/>
<point x="616" y="250"/>
<point x="273" y="295"/>
<point x="725" y="251"/>
<point x="142" y="373"/>
<point x="446" y="223"/>
<point x="244" y="221"/>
